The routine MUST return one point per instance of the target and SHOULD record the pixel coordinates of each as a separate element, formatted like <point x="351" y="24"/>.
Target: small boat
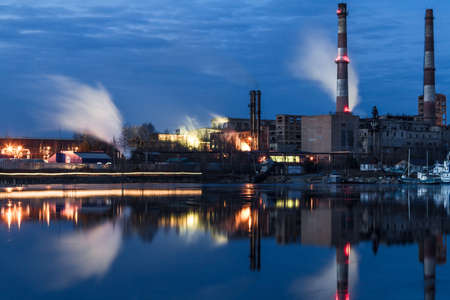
<point x="424" y="178"/>
<point x="408" y="180"/>
<point x="445" y="177"/>
<point x="334" y="177"/>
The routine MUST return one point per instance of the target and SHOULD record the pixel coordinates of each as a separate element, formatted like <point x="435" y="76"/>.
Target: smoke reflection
<point x="314" y="60"/>
<point x="85" y="254"/>
<point x="323" y="284"/>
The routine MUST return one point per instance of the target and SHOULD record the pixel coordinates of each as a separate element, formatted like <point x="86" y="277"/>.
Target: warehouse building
<point x="80" y="157"/>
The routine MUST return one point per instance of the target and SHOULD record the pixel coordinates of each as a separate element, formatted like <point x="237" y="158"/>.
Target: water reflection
<point x="312" y="216"/>
<point x="84" y="254"/>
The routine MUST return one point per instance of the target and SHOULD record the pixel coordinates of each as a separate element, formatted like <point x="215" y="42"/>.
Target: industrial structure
<point x="389" y="139"/>
<point x="386" y="139"/>
<point x="287" y="136"/>
<point x="432" y="106"/>
<point x="255" y="120"/>
<point x="71" y="157"/>
<point x="35" y="148"/>
<point x="334" y="132"/>
<point x="342" y="61"/>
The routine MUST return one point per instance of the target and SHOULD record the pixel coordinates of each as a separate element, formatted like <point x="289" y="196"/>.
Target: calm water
<point x="224" y="242"/>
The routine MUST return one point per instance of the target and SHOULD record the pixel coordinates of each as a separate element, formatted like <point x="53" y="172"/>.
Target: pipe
<point x="252" y="114"/>
<point x="258" y="123"/>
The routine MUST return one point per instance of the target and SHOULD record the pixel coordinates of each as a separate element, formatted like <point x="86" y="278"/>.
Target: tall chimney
<point x="342" y="61"/>
<point x="429" y="90"/>
<point x="252" y="116"/>
<point x="258" y="123"/>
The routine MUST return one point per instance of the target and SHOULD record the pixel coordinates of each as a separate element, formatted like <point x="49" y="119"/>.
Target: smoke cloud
<point x="85" y="109"/>
<point x="314" y="60"/>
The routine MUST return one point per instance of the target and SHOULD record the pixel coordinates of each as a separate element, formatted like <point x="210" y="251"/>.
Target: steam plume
<point x="85" y="109"/>
<point x="314" y="60"/>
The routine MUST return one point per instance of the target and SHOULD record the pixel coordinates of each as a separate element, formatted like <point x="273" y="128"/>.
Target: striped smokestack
<point x="429" y="91"/>
<point x="342" y="61"/>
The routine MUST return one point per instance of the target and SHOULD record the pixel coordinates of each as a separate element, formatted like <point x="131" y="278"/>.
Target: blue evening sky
<point x="167" y="59"/>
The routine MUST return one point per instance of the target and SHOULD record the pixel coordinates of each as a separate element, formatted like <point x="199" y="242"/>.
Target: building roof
<point x="93" y="155"/>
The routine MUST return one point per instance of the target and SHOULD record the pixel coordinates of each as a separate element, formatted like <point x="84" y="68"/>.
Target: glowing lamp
<point x="339" y="11"/>
<point x="347" y="296"/>
<point x="347" y="249"/>
<point x="347" y="109"/>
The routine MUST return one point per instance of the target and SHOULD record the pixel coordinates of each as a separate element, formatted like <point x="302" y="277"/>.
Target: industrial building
<point x="80" y="157"/>
<point x="330" y="133"/>
<point x="387" y="139"/>
<point x="334" y="132"/>
<point x="390" y="138"/>
<point x="288" y="134"/>
<point x="440" y="109"/>
<point x="35" y="148"/>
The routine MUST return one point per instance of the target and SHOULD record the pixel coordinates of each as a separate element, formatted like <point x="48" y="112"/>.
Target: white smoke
<point x="314" y="60"/>
<point x="85" y="109"/>
<point x="190" y="124"/>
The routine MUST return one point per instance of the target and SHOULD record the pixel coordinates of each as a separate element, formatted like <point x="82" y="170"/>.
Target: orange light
<point x="347" y="249"/>
<point x="245" y="147"/>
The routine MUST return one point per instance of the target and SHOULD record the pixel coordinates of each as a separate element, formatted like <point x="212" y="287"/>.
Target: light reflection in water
<point x="320" y="220"/>
<point x="13" y="213"/>
<point x="11" y="194"/>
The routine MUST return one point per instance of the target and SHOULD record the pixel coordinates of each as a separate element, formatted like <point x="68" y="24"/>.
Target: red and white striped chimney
<point x="429" y="90"/>
<point x="342" y="61"/>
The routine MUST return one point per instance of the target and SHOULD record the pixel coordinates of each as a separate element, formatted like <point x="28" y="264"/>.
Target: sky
<point x="162" y="61"/>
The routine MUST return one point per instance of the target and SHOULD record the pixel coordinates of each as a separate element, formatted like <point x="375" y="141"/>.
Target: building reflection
<point x="340" y="219"/>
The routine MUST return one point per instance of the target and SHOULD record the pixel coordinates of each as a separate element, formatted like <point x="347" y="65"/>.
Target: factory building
<point x="236" y="124"/>
<point x="334" y="132"/>
<point x="80" y="157"/>
<point x="440" y="109"/>
<point x="390" y="138"/>
<point x="34" y="148"/>
<point x="330" y="133"/>
<point x="288" y="134"/>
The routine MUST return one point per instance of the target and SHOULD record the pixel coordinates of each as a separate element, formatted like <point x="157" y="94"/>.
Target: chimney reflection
<point x="432" y="252"/>
<point x="340" y="219"/>
<point x="255" y="237"/>
<point x="342" y="263"/>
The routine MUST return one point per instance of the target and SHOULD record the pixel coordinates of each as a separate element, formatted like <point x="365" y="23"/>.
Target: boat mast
<point x="409" y="159"/>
